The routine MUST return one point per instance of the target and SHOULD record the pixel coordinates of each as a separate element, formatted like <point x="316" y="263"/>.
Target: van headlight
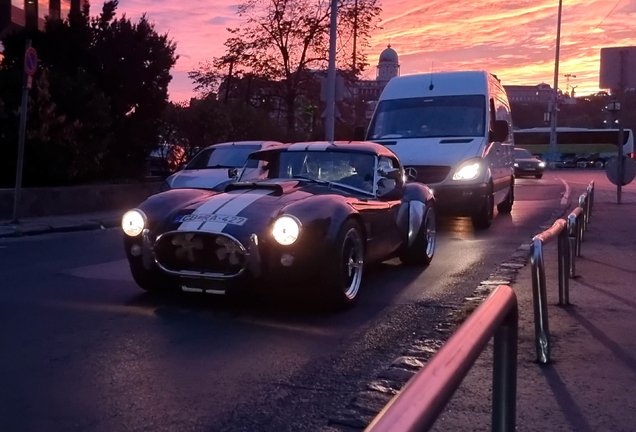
<point x="286" y="230"/>
<point x="468" y="170"/>
<point x="134" y="222"/>
<point x="542" y="164"/>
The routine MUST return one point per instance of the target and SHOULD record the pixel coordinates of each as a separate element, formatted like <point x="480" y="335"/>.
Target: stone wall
<point x="75" y="199"/>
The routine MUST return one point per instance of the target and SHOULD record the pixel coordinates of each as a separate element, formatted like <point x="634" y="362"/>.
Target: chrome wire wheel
<point x="352" y="263"/>
<point x="429" y="226"/>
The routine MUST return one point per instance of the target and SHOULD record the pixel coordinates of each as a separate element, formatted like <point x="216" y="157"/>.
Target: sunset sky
<point x="514" y="39"/>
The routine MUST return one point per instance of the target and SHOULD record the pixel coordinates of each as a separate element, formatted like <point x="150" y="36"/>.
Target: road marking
<point x="566" y="195"/>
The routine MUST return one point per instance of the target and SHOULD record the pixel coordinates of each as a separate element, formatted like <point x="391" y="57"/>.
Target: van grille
<point x="429" y="174"/>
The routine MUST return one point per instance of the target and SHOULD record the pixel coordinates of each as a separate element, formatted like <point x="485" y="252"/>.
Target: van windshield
<point x="442" y="116"/>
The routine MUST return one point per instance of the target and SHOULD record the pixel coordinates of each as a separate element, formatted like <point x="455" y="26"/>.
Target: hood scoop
<point x="456" y="140"/>
<point x="277" y="188"/>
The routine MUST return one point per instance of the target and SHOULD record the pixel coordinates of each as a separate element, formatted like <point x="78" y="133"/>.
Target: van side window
<point x="493" y="113"/>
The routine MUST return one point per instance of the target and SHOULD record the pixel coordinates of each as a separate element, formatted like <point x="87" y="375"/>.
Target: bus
<point x="576" y="147"/>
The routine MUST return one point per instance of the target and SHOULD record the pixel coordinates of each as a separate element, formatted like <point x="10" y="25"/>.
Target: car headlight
<point x="517" y="165"/>
<point x="133" y="222"/>
<point x="469" y="170"/>
<point x="542" y="164"/>
<point x="286" y="230"/>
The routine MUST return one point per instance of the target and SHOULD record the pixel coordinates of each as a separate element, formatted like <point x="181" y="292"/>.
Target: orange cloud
<point x="513" y="39"/>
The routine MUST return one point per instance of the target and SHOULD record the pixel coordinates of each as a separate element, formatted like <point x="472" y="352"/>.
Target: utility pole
<point x="331" y="75"/>
<point x="621" y="124"/>
<point x="354" y="63"/>
<point x="555" y="96"/>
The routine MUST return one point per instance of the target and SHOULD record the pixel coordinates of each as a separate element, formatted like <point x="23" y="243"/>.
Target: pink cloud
<point x="514" y="39"/>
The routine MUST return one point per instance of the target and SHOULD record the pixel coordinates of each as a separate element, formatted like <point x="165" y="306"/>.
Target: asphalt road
<point x="83" y="349"/>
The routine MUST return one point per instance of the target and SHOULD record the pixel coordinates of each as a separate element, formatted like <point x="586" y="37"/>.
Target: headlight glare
<point x="133" y="222"/>
<point x="286" y="230"/>
<point x="468" y="171"/>
<point x="517" y="165"/>
<point x="542" y="164"/>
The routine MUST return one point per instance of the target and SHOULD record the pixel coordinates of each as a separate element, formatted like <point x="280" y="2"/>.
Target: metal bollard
<point x="539" y="300"/>
<point x="579" y="232"/>
<point x="583" y="205"/>
<point x="590" y="200"/>
<point x="564" y="268"/>
<point x="572" y="236"/>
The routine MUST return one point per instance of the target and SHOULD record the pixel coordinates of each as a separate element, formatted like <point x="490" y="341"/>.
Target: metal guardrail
<point x="423" y="399"/>
<point x="570" y="235"/>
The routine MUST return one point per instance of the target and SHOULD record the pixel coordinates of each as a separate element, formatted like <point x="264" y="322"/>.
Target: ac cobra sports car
<point x="313" y="215"/>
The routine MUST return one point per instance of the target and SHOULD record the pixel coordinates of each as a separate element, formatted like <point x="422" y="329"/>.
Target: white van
<point x="452" y="132"/>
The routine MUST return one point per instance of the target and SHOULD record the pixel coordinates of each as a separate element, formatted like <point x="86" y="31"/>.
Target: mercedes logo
<point x="411" y="173"/>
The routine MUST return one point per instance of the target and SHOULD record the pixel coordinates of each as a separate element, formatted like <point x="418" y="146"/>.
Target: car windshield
<point x="522" y="154"/>
<point x="444" y="116"/>
<point x="222" y="157"/>
<point x="350" y="169"/>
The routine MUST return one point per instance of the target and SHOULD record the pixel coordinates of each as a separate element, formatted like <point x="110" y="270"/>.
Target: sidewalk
<point x="55" y="224"/>
<point x="591" y="383"/>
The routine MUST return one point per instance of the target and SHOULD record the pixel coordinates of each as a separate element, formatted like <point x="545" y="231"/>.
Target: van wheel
<point x="505" y="207"/>
<point x="482" y="217"/>
<point x="538" y="176"/>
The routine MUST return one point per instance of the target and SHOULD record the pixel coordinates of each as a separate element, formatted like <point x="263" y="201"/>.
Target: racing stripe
<point x="210" y="207"/>
<point x="234" y="207"/>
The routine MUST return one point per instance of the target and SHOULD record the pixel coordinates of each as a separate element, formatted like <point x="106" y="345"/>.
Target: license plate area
<point x="203" y="286"/>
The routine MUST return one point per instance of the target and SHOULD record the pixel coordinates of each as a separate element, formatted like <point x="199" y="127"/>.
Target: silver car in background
<point x="216" y="166"/>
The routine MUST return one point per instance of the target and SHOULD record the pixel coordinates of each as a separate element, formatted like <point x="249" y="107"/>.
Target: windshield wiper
<point x="311" y="179"/>
<point x="218" y="166"/>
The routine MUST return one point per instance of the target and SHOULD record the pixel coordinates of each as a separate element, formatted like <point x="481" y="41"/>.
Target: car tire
<point x="346" y="266"/>
<point x="152" y="280"/>
<point x="423" y="248"/>
<point x="538" y="176"/>
<point x="505" y="206"/>
<point x="482" y="216"/>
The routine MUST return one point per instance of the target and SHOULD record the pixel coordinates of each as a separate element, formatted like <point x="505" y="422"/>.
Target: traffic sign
<point x="30" y="61"/>
<point x="629" y="171"/>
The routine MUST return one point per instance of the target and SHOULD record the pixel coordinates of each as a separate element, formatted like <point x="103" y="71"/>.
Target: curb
<point x="363" y="407"/>
<point x="14" y="231"/>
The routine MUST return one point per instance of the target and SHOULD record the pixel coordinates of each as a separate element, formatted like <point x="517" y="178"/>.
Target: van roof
<point x="444" y="84"/>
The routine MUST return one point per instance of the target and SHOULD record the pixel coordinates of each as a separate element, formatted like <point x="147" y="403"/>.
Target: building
<point x="541" y="93"/>
<point x="369" y="91"/>
<point x="16" y="14"/>
<point x="388" y="67"/>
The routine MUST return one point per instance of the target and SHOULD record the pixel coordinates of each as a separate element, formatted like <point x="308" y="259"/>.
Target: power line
<point x="603" y="20"/>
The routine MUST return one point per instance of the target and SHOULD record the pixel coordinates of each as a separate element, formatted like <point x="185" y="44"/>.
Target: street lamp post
<point x="331" y="76"/>
<point x="555" y="95"/>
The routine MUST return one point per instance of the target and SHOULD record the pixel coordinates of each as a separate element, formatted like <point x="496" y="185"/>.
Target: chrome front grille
<point x="429" y="174"/>
<point x="200" y="254"/>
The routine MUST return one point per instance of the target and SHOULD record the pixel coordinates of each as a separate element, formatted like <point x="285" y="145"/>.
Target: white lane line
<point x="566" y="195"/>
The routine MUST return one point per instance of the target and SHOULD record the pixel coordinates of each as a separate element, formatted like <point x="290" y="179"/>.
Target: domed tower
<point x="388" y="66"/>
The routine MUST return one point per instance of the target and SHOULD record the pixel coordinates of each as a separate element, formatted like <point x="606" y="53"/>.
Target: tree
<point x="283" y="41"/>
<point x="97" y="102"/>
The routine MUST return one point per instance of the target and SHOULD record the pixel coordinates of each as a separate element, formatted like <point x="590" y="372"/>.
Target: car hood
<point x="244" y="209"/>
<point x="448" y="151"/>
<point x="528" y="160"/>
<point x="204" y="178"/>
